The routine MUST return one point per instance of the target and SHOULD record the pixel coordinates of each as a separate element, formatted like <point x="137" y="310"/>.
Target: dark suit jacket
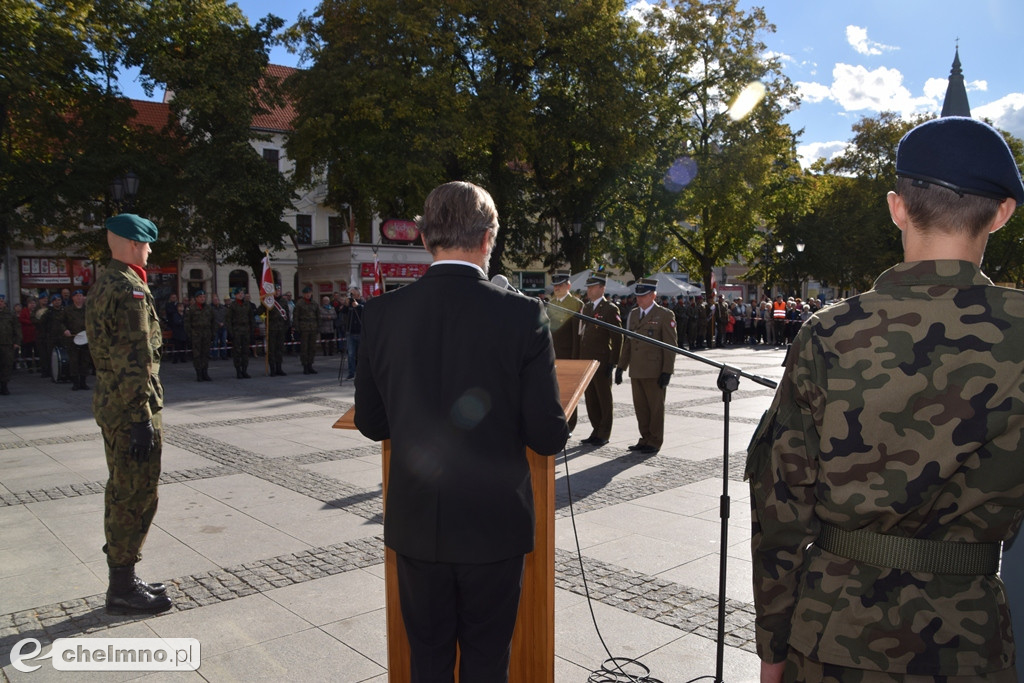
<point x="460" y="375"/>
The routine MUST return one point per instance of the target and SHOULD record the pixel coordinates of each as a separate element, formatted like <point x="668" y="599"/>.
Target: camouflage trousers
<point x="240" y="348"/>
<point x="801" y="669"/>
<point x="275" y="346"/>
<point x="6" y="362"/>
<point x="200" y="352"/>
<point x="307" y="348"/>
<point x="131" y="496"/>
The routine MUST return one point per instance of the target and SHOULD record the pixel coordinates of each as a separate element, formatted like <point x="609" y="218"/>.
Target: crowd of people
<point x="46" y="334"/>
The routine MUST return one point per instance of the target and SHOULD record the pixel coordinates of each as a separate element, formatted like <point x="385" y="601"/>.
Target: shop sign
<point x="400" y="270"/>
<point x="398" y="230"/>
<point x="60" y="272"/>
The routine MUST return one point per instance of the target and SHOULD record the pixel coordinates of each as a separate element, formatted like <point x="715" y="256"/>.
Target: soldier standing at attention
<point x="277" y="326"/>
<point x="307" y="325"/>
<point x="887" y="472"/>
<point x="650" y="366"/>
<point x="239" y="321"/>
<point x="563" y="324"/>
<point x="125" y="339"/>
<point x="600" y="344"/>
<point x="73" y="321"/>
<point x="10" y="342"/>
<point x="201" y="329"/>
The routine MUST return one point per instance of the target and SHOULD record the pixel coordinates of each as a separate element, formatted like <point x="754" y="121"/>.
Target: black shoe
<point x="597" y="443"/>
<point x="280" y="372"/>
<point x="305" y="369"/>
<point x="4" y="391"/>
<point x="311" y="370"/>
<point x="245" y="375"/>
<point x="647" y="450"/>
<point x="238" y="373"/>
<point x="206" y="375"/>
<point x="74" y="384"/>
<point x="156" y="588"/>
<point x="199" y="375"/>
<point x="81" y="383"/>
<point x="636" y="447"/>
<point x="125" y="595"/>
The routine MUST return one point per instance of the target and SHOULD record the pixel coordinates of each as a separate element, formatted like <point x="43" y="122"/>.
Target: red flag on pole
<point x="267" y="286"/>
<point x="378" y="278"/>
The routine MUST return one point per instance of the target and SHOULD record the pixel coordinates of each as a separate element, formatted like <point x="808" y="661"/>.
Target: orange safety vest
<point x="779" y="310"/>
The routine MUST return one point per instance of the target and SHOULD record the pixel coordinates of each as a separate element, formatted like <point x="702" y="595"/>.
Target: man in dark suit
<point x="460" y="405"/>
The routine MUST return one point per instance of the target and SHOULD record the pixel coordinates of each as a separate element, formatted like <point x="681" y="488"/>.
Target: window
<point x="303" y="228"/>
<point x="238" y="278"/>
<point x="335" y="230"/>
<point x="271" y="157"/>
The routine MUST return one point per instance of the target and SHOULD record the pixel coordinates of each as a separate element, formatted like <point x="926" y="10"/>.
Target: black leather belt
<point x="910" y="554"/>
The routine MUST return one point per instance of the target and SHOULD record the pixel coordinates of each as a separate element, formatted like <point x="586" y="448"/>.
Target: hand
<point x="772" y="673"/>
<point x="141" y="441"/>
<point x="663" y="379"/>
<point x="618" y="376"/>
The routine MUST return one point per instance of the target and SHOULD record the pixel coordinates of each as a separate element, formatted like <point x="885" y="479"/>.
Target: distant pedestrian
<point x="10" y="344"/>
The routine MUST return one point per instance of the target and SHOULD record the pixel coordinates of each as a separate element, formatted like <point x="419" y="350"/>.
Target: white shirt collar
<point x="454" y="262"/>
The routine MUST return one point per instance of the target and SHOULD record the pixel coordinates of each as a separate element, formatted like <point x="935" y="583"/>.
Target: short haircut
<point x="456" y="215"/>
<point x="933" y="206"/>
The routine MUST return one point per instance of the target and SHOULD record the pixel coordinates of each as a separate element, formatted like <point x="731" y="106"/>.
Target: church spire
<point x="955" y="103"/>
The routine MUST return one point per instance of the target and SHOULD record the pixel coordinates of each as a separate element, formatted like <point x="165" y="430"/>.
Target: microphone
<point x="503" y="282"/>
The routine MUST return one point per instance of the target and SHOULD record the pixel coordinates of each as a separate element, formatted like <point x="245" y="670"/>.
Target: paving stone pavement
<point x="269" y="531"/>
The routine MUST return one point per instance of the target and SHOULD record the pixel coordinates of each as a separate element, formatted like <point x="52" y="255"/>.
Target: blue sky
<point x="851" y="59"/>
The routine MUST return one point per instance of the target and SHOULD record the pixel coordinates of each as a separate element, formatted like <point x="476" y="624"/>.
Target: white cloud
<point x="813" y="151"/>
<point x="856" y="88"/>
<point x="976" y="85"/>
<point x="812" y="92"/>
<point x="1006" y="113"/>
<point x="935" y="88"/>
<point x="857" y="37"/>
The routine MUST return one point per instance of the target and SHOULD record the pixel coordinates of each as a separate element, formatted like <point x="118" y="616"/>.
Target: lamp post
<point x="123" y="189"/>
<point x="791" y="260"/>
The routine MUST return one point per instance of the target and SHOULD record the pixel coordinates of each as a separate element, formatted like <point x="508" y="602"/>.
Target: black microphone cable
<point x="613" y="669"/>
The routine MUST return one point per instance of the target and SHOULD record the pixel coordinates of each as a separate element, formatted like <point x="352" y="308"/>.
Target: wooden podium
<point x="533" y="643"/>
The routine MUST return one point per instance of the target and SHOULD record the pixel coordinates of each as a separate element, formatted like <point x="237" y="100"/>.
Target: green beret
<point x="199" y="292"/>
<point x="307" y="290"/>
<point x="132" y="227"/>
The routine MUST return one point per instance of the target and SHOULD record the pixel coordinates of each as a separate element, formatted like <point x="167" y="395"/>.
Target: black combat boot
<point x="305" y="369"/>
<point x="81" y="383"/>
<point x="206" y="375"/>
<point x="245" y="374"/>
<point x="311" y="370"/>
<point x="238" y="372"/>
<point x="125" y="594"/>
<point x="156" y="588"/>
<point x="74" y="383"/>
<point x="199" y="375"/>
<point x="4" y="391"/>
<point x="280" y="372"/>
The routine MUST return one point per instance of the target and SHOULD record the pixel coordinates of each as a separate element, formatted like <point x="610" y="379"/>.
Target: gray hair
<point x="456" y="215"/>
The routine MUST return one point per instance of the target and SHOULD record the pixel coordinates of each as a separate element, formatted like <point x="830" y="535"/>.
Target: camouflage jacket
<point x="307" y="316"/>
<point x="199" y="322"/>
<point x="10" y="328"/>
<point x="239" y="319"/>
<point x="901" y="412"/>
<point x="73" y="319"/>
<point x="125" y="340"/>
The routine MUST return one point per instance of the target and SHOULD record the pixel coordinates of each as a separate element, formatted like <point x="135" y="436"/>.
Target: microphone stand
<point x="728" y="382"/>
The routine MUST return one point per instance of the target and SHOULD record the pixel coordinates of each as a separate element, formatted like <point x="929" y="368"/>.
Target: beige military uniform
<point x="646" y="363"/>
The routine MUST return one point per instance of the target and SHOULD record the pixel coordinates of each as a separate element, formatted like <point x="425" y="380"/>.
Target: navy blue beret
<point x="132" y="227"/>
<point x="962" y="154"/>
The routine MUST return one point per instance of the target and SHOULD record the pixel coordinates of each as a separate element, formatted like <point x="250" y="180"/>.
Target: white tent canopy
<point x="672" y="286"/>
<point x="613" y="287"/>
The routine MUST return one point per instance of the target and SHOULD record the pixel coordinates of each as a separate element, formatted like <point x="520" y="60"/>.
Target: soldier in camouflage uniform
<point x="200" y="328"/>
<point x="888" y="469"/>
<point x="73" y="321"/>
<point x="51" y="328"/>
<point x="10" y="342"/>
<point x="239" y="322"/>
<point x="277" y="327"/>
<point x="125" y="339"/>
<point x="307" y="326"/>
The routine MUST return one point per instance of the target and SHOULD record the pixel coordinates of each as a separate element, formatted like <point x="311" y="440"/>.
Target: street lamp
<point x="124" y="189"/>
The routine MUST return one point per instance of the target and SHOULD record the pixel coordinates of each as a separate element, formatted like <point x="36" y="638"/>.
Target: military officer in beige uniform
<point x="650" y="366"/>
<point x="600" y="344"/>
<point x="564" y="327"/>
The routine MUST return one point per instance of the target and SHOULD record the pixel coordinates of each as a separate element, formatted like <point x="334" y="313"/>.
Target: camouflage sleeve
<point x="131" y="356"/>
<point x="782" y="463"/>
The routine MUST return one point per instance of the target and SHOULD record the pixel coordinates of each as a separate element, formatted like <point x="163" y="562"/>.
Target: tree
<point x="716" y="167"/>
<point x="534" y="100"/>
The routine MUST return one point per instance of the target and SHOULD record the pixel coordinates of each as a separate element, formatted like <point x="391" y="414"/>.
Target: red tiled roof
<point x="278" y="119"/>
<point x="153" y="115"/>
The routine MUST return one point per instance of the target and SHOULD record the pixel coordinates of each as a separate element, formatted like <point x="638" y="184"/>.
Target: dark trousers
<point x="474" y="605"/>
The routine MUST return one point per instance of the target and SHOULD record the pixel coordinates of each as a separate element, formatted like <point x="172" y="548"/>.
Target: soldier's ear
<point x="897" y="210"/>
